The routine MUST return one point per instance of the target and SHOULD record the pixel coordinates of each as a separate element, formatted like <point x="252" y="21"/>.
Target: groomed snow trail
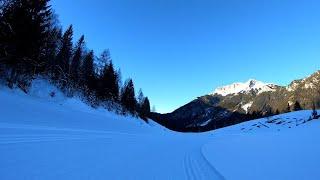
<point x="38" y="152"/>
<point x="197" y="167"/>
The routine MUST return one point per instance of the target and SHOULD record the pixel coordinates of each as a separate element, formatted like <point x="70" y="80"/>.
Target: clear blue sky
<point x="176" y="50"/>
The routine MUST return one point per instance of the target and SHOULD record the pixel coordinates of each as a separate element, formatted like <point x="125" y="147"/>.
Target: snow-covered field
<point x="278" y="148"/>
<point x="43" y="137"/>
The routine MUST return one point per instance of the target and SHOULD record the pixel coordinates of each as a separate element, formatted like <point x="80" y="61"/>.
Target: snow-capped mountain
<point x="239" y="102"/>
<point x="251" y="85"/>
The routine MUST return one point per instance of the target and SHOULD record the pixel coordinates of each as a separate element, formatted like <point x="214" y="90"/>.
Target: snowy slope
<point x="279" y="147"/>
<point x="245" y="87"/>
<point x="41" y="138"/>
<point x="44" y="137"/>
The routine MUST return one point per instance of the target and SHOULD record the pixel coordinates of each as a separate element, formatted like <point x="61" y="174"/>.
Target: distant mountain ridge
<point x="240" y="102"/>
<point x="250" y="85"/>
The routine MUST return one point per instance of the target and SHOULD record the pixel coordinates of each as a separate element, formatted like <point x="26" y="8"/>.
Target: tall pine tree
<point x="297" y="106"/>
<point x="51" y="49"/>
<point x="140" y="101"/>
<point x="108" y="85"/>
<point x="145" y="108"/>
<point x="87" y="73"/>
<point x="128" y="99"/>
<point x="76" y="62"/>
<point x="24" y="29"/>
<point x="140" y="97"/>
<point x="64" y="55"/>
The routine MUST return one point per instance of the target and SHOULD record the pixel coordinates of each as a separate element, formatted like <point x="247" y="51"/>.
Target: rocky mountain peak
<point x="244" y="87"/>
<point x="310" y="82"/>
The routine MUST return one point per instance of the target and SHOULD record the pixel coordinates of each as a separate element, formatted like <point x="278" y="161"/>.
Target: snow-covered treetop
<point x="245" y="87"/>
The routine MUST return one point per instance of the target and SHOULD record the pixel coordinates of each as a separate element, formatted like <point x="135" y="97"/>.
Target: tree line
<point x="32" y="43"/>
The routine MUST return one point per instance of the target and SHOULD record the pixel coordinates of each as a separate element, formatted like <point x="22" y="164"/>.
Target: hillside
<point x="44" y="137"/>
<point x="240" y="102"/>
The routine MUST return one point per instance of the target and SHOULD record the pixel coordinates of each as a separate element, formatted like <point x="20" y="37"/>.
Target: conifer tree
<point x="140" y="99"/>
<point x="24" y="28"/>
<point x="51" y="50"/>
<point x="88" y="76"/>
<point x="297" y="106"/>
<point x="64" y="55"/>
<point x="128" y="99"/>
<point x="119" y="80"/>
<point x="145" y="108"/>
<point x="76" y="62"/>
<point x="254" y="115"/>
<point x="113" y="81"/>
<point x="314" y="111"/>
<point x="108" y="83"/>
<point x="104" y="58"/>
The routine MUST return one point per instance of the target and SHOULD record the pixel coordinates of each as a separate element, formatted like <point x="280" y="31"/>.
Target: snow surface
<point x="45" y="137"/>
<point x="268" y="150"/>
<point x="206" y="122"/>
<point x="245" y="87"/>
<point x="247" y="106"/>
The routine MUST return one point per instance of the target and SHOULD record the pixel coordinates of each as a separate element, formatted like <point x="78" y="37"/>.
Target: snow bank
<point x="41" y="109"/>
<point x="42" y="89"/>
